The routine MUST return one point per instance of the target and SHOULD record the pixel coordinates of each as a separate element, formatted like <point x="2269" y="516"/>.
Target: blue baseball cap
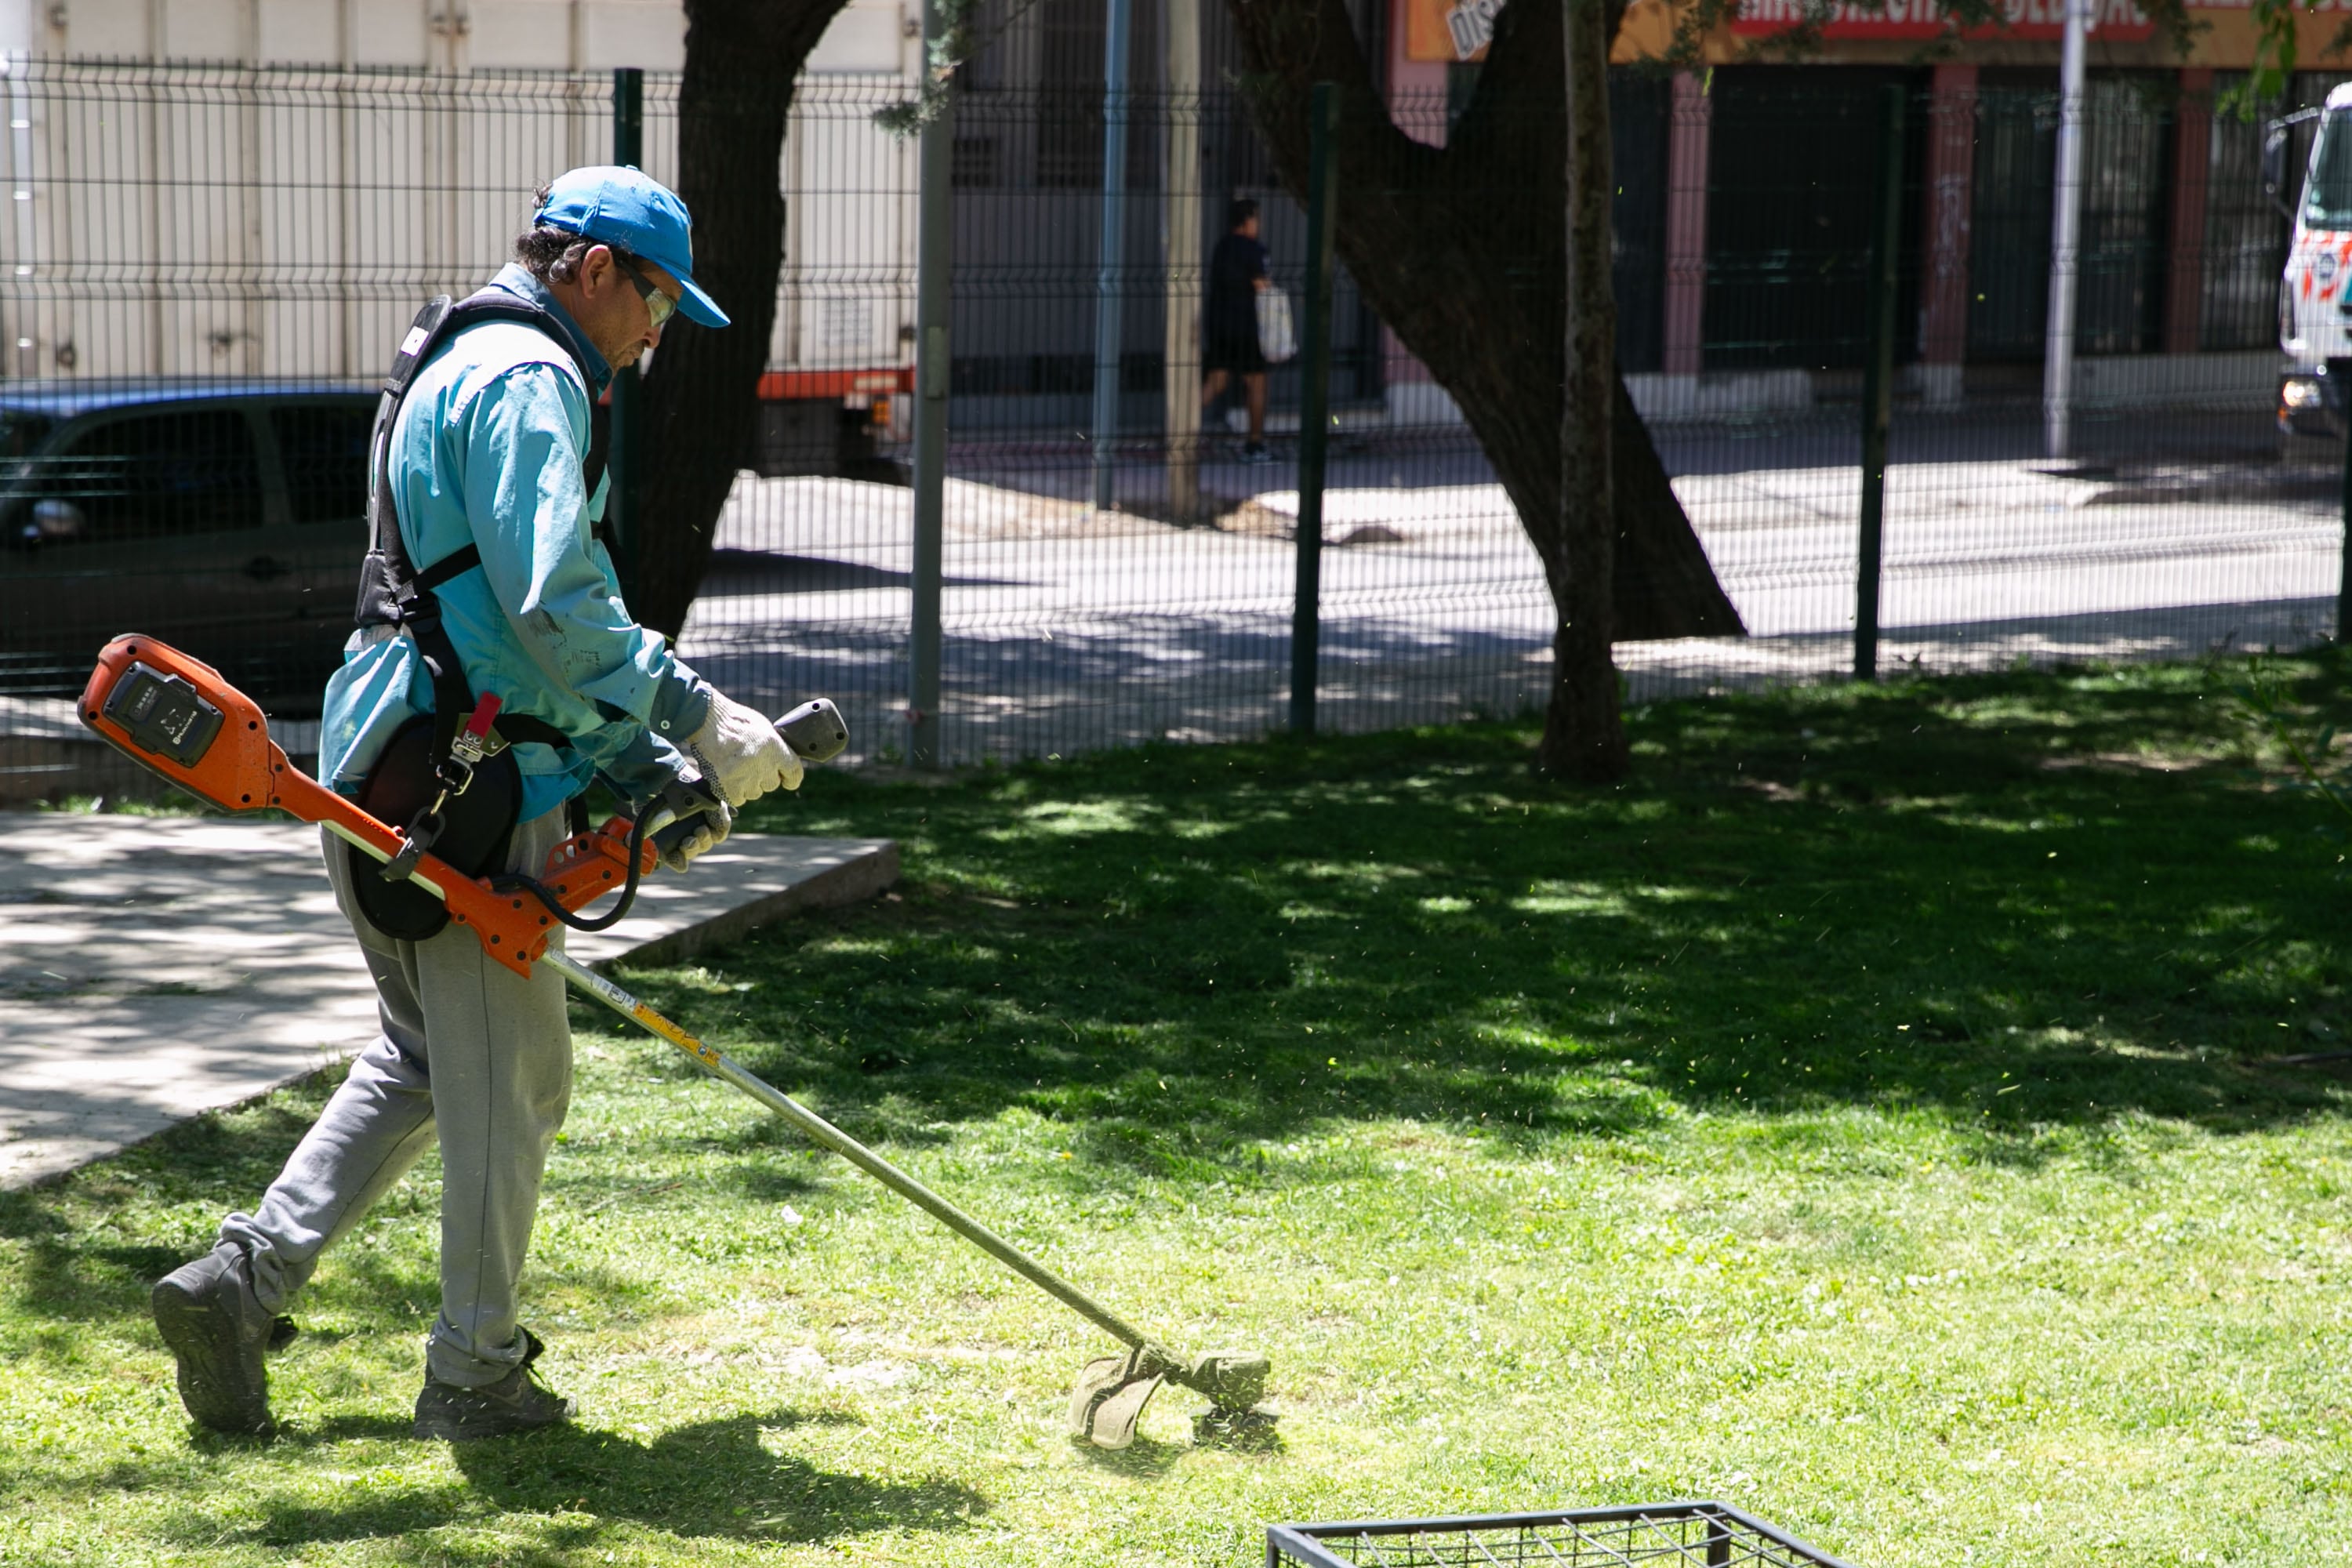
<point x="630" y="210"/>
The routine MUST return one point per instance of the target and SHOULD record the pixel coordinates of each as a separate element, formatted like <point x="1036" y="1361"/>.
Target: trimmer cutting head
<point x="1112" y="1392"/>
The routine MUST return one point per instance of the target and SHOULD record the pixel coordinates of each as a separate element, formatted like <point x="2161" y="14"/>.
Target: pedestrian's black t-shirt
<point x="1234" y="268"/>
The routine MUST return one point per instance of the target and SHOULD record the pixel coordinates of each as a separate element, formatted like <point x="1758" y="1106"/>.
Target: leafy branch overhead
<point x="2276" y="58"/>
<point x="950" y="47"/>
<point x="959" y="42"/>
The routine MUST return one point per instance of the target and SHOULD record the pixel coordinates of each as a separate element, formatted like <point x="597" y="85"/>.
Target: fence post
<point x="933" y="232"/>
<point x="1314" y="402"/>
<point x="1180" y="247"/>
<point x="623" y="448"/>
<point x="1879" y="383"/>
<point x="2344" y="568"/>
<point x="1110" y="280"/>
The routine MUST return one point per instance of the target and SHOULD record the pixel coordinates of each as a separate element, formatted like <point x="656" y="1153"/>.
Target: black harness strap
<point x="392" y="591"/>
<point x="457" y="563"/>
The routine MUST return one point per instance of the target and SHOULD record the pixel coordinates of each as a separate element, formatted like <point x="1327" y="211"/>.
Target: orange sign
<point x="2040" y="19"/>
<point x="1431" y="28"/>
<point x="1457" y="31"/>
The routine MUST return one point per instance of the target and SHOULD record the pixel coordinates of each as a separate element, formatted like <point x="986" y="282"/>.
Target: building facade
<point x="280" y="209"/>
<point x="1746" y="198"/>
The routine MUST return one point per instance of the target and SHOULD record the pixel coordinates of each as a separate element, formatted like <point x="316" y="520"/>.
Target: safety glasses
<point x="661" y="307"/>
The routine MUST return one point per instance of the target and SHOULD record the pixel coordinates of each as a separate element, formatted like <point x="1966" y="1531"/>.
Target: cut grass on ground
<point x="1867" y="1115"/>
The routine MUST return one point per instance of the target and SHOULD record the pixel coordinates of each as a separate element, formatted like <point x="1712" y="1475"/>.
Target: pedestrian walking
<point x="1238" y="275"/>
<point x="482" y="472"/>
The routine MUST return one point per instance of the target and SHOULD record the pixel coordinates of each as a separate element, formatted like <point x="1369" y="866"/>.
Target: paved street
<point x="1069" y="630"/>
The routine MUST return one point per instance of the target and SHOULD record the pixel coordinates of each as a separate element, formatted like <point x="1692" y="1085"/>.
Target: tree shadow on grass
<point x="714" y="1478"/>
<point x="2019" y="904"/>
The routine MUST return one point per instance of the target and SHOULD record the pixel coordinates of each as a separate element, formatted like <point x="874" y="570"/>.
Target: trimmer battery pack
<point x="164" y="714"/>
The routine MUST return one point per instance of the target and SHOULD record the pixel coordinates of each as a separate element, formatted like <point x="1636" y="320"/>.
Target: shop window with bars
<point x="2122" y="261"/>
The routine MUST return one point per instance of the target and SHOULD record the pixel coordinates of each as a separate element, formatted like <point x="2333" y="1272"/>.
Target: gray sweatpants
<point x="469" y="1052"/>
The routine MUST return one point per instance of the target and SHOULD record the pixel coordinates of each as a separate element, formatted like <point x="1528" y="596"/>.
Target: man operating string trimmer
<point x="484" y="579"/>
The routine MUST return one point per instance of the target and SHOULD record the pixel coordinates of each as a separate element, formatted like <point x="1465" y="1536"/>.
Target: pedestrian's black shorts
<point x="1234" y="352"/>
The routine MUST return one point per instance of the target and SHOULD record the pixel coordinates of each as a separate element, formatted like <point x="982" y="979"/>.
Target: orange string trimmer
<point x="178" y="717"/>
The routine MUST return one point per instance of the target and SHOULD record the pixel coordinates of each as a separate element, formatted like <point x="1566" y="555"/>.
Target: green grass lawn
<point x="1868" y="1115"/>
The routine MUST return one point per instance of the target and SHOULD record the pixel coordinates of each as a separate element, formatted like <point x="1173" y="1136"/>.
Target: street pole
<point x="1112" y="252"/>
<point x="622" y="445"/>
<point x="1314" y="402"/>
<point x="1181" y="239"/>
<point x="1879" y="383"/>
<point x="933" y="231"/>
<point x="2065" y="239"/>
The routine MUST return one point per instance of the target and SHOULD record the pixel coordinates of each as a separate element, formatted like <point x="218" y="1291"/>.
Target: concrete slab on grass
<point x="155" y="968"/>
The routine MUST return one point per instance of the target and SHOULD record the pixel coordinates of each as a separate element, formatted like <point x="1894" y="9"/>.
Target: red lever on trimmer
<point x="485" y="712"/>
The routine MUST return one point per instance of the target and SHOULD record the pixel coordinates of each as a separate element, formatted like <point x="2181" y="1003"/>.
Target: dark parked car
<point x="222" y="516"/>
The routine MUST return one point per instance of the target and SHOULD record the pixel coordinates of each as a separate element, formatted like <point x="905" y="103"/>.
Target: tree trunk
<point x="1584" y="732"/>
<point x="701" y="396"/>
<point x="1462" y="252"/>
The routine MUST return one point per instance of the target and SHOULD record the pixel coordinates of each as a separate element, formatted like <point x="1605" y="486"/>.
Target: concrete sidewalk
<point x="155" y="968"/>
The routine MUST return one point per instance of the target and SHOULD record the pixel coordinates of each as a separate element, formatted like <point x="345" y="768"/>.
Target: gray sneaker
<point x="518" y="1402"/>
<point x="217" y="1330"/>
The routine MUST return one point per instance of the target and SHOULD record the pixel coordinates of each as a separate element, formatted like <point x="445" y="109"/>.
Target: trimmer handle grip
<point x="677" y="813"/>
<point x="814" y="731"/>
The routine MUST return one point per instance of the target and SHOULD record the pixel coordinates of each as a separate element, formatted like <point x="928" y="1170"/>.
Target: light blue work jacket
<point x="487" y="449"/>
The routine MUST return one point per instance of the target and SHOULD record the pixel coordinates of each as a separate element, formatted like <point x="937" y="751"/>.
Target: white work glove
<point x="711" y="831"/>
<point x="741" y="754"/>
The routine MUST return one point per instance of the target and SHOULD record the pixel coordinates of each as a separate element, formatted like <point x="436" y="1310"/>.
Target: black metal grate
<point x="1668" y="1534"/>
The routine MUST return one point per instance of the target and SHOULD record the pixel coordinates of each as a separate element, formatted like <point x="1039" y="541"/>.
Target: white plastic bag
<point x="1278" y="339"/>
